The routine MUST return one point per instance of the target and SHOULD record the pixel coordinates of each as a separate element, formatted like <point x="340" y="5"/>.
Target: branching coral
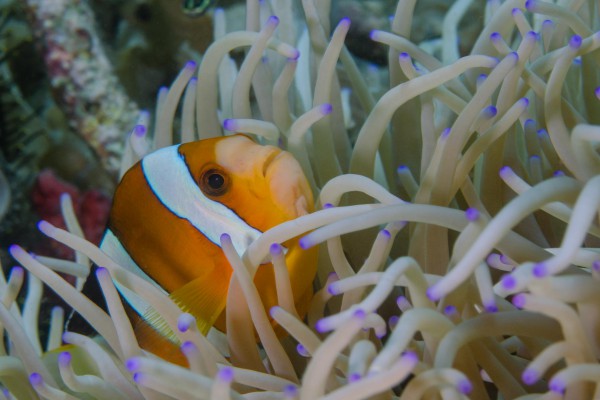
<point x="490" y="239"/>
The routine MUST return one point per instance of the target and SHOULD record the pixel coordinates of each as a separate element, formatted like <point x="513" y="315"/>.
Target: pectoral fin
<point x="204" y="298"/>
<point x="204" y="301"/>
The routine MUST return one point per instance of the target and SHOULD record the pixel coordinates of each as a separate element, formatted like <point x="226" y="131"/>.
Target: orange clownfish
<point x="170" y="209"/>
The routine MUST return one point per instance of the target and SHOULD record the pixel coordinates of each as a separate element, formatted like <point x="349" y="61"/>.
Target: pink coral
<point x="91" y="208"/>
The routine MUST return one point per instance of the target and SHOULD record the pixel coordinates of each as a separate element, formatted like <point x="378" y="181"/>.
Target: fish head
<point x="264" y="185"/>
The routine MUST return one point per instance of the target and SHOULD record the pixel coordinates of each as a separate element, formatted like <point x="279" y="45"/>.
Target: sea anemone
<point x="457" y="230"/>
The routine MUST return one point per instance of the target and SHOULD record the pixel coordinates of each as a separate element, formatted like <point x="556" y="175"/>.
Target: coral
<point x="458" y="233"/>
<point x="81" y="76"/>
<point x="90" y="207"/>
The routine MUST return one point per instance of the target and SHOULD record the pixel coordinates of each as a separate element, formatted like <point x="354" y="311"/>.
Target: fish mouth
<point x="288" y="185"/>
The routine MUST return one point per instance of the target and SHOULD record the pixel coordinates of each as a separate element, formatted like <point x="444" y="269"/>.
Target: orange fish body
<point x="171" y="208"/>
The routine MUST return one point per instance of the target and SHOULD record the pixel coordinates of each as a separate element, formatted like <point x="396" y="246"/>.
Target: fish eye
<point x="214" y="182"/>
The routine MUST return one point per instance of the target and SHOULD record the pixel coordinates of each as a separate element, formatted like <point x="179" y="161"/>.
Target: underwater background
<point x="452" y="148"/>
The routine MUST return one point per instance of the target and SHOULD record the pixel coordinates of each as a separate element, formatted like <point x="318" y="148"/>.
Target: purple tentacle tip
<point x="385" y="233"/>
<point x="547" y="22"/>
<point x="321" y="326"/>
<point x="273" y="310"/>
<point x="524" y="101"/>
<point x="305" y="242"/>
<point x="359" y="314"/>
<point x="445" y="133"/>
<point x="133" y="364"/>
<point x="431" y="294"/>
<point x="15" y="250"/>
<point x="138" y="377"/>
<point x="36" y="379"/>
<point x="275" y="249"/>
<point x="530" y="5"/>
<point x="65" y="196"/>
<point x="531" y="35"/>
<point x="190" y="64"/>
<point x="540" y="270"/>
<point x="188" y="347"/>
<point x="410" y="356"/>
<point x="491" y="308"/>
<point x="557" y="386"/>
<point x="472" y="214"/>
<point x="495" y="36"/>
<point x="505" y="171"/>
<point x="575" y="41"/>
<point x="230" y="124"/>
<point x="185" y="321"/>
<point x="353" y="377"/>
<point x="45" y="227"/>
<point x="139" y="130"/>
<point x="345" y="21"/>
<point x="374" y="34"/>
<point x="519" y="300"/>
<point x="326" y="109"/>
<point x="302" y="350"/>
<point x="558" y="173"/>
<point x="64" y="358"/>
<point x="225" y="374"/>
<point x="290" y="391"/>
<point x="393" y="320"/>
<point x="327" y="205"/>
<point x="331" y="289"/>
<point x="596" y="265"/>
<point x="464" y="386"/>
<point x="404" y="56"/>
<point x="597" y="92"/>
<point x="490" y="111"/>
<point x="17" y="271"/>
<point x="380" y="332"/>
<point x="102" y="271"/>
<point x="402" y="168"/>
<point x="450" y="310"/>
<point x="273" y="20"/>
<point x="530" y="376"/>
<point x="508" y="282"/>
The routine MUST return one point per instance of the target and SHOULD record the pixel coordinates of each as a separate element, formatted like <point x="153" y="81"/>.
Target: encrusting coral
<point x="488" y="244"/>
<point x="81" y="75"/>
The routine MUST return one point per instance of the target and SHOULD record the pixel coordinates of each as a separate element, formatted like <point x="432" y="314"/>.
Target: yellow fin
<point x="204" y="301"/>
<point x="204" y="298"/>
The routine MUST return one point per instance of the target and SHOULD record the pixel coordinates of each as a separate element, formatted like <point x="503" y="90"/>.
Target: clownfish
<point x="168" y="214"/>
